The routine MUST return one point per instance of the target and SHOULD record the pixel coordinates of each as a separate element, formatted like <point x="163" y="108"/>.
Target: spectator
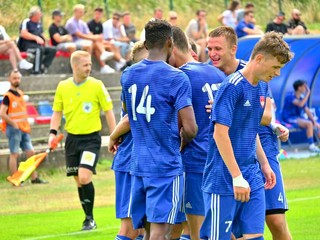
<point x="295" y="105"/>
<point x="95" y="27"/>
<point x="129" y="28"/>
<point x="197" y="30"/>
<point x="173" y="17"/>
<point x="157" y="14"/>
<point x="16" y="126"/>
<point x="277" y="24"/>
<point x="59" y="36"/>
<point x="295" y="25"/>
<point x="83" y="37"/>
<point x="32" y="40"/>
<point x="240" y="12"/>
<point x="245" y="26"/>
<point x="7" y="46"/>
<point x="114" y="31"/>
<point x="229" y="16"/>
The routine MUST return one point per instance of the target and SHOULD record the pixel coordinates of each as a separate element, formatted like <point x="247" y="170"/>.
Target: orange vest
<point x="17" y="112"/>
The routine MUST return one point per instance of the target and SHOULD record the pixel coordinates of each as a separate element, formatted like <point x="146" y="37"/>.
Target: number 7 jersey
<point x="153" y="93"/>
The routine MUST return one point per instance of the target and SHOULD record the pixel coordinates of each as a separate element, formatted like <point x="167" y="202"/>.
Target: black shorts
<point x="82" y="151"/>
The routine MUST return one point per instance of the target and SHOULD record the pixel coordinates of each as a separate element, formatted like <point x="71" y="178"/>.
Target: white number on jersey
<point x="209" y="89"/>
<point x="228" y="225"/>
<point x="147" y="110"/>
<point x="280" y="198"/>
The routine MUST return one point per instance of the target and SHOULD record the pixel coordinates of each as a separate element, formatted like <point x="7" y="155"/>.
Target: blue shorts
<point x="156" y="200"/>
<point x="194" y="203"/>
<point x="225" y="215"/>
<point x="18" y="139"/>
<point x="276" y="201"/>
<point x="123" y="196"/>
<point x="293" y="121"/>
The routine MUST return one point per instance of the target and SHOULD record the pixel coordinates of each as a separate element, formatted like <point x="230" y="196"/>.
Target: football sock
<point x="118" y="237"/>
<point x="80" y="192"/>
<point x="140" y="237"/>
<point x="185" y="237"/>
<point x="310" y="140"/>
<point x="88" y="198"/>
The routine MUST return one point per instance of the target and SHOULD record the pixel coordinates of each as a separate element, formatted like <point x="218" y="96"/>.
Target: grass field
<point x="53" y="212"/>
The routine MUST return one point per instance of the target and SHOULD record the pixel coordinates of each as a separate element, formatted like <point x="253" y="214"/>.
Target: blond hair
<point x="76" y="55"/>
<point x="78" y="7"/>
<point x="137" y="49"/>
<point x="34" y="10"/>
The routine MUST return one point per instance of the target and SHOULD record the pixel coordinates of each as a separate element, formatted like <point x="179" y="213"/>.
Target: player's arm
<point x="265" y="167"/>
<point x="241" y="187"/>
<point x="122" y="128"/>
<point x="111" y="120"/>
<point x="267" y="113"/>
<point x="54" y="125"/>
<point x="302" y="102"/>
<point x="189" y="127"/>
<point x="5" y="117"/>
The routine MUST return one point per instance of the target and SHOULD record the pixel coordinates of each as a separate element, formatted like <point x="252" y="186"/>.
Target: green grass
<point x="53" y="212"/>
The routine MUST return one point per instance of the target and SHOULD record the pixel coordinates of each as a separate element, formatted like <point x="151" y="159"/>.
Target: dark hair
<point x="227" y="32"/>
<point x="98" y="9"/>
<point x="247" y="12"/>
<point x="157" y="33"/>
<point x="125" y="13"/>
<point x="200" y="11"/>
<point x="193" y="45"/>
<point x="13" y="71"/>
<point x="118" y="14"/>
<point x="233" y="5"/>
<point x="180" y="40"/>
<point x="273" y="44"/>
<point x="248" y="5"/>
<point x="298" y="84"/>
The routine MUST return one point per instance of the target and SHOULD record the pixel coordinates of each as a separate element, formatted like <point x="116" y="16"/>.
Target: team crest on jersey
<point x="87" y="107"/>
<point x="262" y="101"/>
<point x="14" y="104"/>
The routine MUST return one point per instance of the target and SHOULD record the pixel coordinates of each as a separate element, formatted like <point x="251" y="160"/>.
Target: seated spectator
<point x="95" y="27"/>
<point x="295" y="105"/>
<point x="82" y="36"/>
<point x="173" y="17"/>
<point x="197" y="30"/>
<point x="59" y="36"/>
<point x="32" y="40"/>
<point x="9" y="47"/>
<point x="277" y="24"/>
<point x="129" y="28"/>
<point x="295" y="25"/>
<point x="157" y="14"/>
<point x="246" y="27"/>
<point x="229" y="16"/>
<point x="240" y="12"/>
<point x="114" y="31"/>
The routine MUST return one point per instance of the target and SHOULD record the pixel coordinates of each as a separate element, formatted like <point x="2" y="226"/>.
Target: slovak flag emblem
<point x="262" y="101"/>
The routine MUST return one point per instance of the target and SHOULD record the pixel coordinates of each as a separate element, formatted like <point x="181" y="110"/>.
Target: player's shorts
<point x="156" y="200"/>
<point x="225" y="215"/>
<point x="18" y="139"/>
<point x="82" y="151"/>
<point x="293" y="121"/>
<point x="194" y="203"/>
<point x="276" y="201"/>
<point x="123" y="196"/>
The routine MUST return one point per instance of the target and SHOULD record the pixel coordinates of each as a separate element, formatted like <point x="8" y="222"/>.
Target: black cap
<point x="57" y="12"/>
<point x="281" y="14"/>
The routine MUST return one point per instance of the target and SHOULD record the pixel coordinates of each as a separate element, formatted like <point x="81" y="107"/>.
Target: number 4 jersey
<point x="153" y="93"/>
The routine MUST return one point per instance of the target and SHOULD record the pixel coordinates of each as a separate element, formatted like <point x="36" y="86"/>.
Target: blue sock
<point x="257" y="238"/>
<point x="140" y="237"/>
<point x="310" y="140"/>
<point x="185" y="237"/>
<point x="118" y="237"/>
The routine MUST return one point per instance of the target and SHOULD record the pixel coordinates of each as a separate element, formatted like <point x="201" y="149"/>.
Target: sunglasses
<point x="173" y="18"/>
<point x="116" y="19"/>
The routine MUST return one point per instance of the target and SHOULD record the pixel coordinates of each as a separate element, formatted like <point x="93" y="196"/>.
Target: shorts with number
<point x="276" y="201"/>
<point x="82" y="151"/>
<point x="155" y="199"/>
<point x="18" y="139"/>
<point x="194" y="203"/>
<point x="123" y="196"/>
<point x="225" y="215"/>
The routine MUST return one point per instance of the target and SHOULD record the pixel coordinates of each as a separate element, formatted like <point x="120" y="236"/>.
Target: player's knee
<point x="84" y="179"/>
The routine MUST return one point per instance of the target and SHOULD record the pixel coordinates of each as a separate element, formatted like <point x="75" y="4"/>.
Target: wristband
<point x="53" y="131"/>
<point x="240" y="182"/>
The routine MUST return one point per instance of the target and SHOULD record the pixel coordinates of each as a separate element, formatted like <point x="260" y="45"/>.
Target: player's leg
<point x="162" y="204"/>
<point x="278" y="226"/>
<point x="194" y="204"/>
<point x="219" y="216"/>
<point x="14" y="139"/>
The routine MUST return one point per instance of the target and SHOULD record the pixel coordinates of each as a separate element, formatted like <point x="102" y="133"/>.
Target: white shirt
<point x="111" y="32"/>
<point x="4" y="33"/>
<point x="229" y="19"/>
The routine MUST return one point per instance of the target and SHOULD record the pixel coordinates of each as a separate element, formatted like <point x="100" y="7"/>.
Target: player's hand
<point x="284" y="136"/>
<point x="241" y="189"/>
<point x="52" y="137"/>
<point x="269" y="176"/>
<point x="15" y="125"/>
<point x="113" y="145"/>
<point x="209" y="106"/>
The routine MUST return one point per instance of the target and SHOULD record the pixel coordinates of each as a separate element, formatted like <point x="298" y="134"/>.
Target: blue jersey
<point x="238" y="105"/>
<point x="205" y="81"/>
<point x="154" y="92"/>
<point x="291" y="110"/>
<point x="121" y="161"/>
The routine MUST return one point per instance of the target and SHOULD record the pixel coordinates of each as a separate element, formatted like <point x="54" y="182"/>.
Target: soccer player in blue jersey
<point x="204" y="80"/>
<point x="233" y="184"/>
<point x="156" y="95"/>
<point x="224" y="39"/>
<point x="121" y="165"/>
